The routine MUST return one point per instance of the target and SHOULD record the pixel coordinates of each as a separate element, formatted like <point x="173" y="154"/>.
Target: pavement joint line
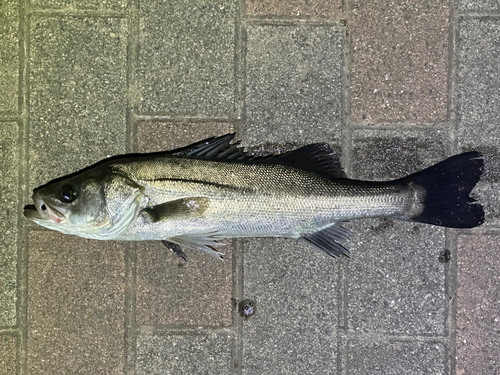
<point x="179" y="119"/>
<point x="380" y="337"/>
<point x="240" y="48"/>
<point x="130" y="336"/>
<point x="237" y="349"/>
<point x="130" y="331"/>
<point x="23" y="188"/>
<point x="452" y="76"/>
<point x="450" y="286"/>
<point x="77" y="13"/>
<point x="250" y="21"/>
<point x="450" y="115"/>
<point x="398" y="124"/>
<point x="240" y="78"/>
<point x="451" y="293"/>
<point x="346" y="129"/>
<point x="478" y="15"/>
<point x="10" y="331"/>
<point x="183" y="330"/>
<point x="342" y="322"/>
<point x="9" y="117"/>
<point x="418" y="127"/>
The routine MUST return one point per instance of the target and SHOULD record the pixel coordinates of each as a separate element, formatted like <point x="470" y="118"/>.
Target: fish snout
<point x="44" y="210"/>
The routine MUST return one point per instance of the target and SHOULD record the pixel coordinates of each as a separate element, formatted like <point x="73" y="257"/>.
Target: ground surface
<point x="392" y="86"/>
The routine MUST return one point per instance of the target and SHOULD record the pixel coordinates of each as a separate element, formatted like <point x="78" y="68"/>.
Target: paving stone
<point x="392" y="358"/>
<point x="9" y="57"/>
<point x="170" y="291"/>
<point x="399" y="60"/>
<point x="478" y="104"/>
<point x="177" y="293"/>
<point x="294" y="289"/>
<point x="8" y="354"/>
<point x="160" y="136"/>
<point x="76" y="305"/>
<point x="391" y="154"/>
<point x="186" y="58"/>
<point x="173" y="354"/>
<point x="294" y="83"/>
<point x="115" y="5"/>
<point x="78" y="92"/>
<point x="9" y="160"/>
<point x="323" y="9"/>
<point x="396" y="282"/>
<point x="478" y="304"/>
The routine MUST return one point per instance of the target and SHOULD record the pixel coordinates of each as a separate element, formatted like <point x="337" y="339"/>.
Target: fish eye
<point x="67" y="194"/>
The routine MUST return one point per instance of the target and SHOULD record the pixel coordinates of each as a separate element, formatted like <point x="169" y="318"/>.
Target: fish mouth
<point x="42" y="211"/>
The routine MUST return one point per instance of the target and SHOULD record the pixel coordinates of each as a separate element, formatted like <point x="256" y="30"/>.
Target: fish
<point x="198" y="195"/>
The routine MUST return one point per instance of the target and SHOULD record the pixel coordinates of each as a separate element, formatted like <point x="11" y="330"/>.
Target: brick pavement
<point x="392" y="86"/>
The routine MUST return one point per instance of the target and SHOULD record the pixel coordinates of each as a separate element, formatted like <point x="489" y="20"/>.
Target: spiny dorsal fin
<point x="214" y="148"/>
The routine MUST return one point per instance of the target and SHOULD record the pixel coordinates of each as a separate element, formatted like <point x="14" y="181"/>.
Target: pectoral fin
<point x="180" y="209"/>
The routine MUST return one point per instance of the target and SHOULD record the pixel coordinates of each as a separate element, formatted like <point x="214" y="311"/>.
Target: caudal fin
<point x="447" y="187"/>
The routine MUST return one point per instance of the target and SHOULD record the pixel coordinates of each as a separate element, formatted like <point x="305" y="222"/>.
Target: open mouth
<point x="42" y="211"/>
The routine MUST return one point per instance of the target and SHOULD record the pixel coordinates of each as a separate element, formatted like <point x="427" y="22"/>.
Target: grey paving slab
<point x="175" y="354"/>
<point x="478" y="304"/>
<point x="478" y="104"/>
<point x="115" y="5"/>
<point x="9" y="178"/>
<point x="76" y="305"/>
<point x="395" y="153"/>
<point x="294" y="83"/>
<point x="394" y="358"/>
<point x="78" y="93"/>
<point x="399" y="60"/>
<point x="295" y="291"/>
<point x="186" y="58"/>
<point x="396" y="282"/>
<point x="8" y="354"/>
<point x="177" y="293"/>
<point x="9" y="57"/>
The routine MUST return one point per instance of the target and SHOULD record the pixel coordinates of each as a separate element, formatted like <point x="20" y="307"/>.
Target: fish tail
<point x="446" y="186"/>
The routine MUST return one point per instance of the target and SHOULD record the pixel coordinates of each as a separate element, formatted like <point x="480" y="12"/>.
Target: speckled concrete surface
<point x="393" y="87"/>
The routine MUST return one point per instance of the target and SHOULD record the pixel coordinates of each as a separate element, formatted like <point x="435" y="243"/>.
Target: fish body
<point x="211" y="190"/>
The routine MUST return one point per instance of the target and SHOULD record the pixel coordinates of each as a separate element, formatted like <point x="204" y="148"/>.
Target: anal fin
<point x="204" y="243"/>
<point x="327" y="240"/>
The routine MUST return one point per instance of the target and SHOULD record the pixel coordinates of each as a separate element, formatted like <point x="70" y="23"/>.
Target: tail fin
<point x="447" y="187"/>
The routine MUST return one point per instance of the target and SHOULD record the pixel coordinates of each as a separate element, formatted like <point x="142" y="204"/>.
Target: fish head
<point x="92" y="204"/>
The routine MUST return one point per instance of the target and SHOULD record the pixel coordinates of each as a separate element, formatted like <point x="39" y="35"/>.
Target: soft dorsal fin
<point x="316" y="157"/>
